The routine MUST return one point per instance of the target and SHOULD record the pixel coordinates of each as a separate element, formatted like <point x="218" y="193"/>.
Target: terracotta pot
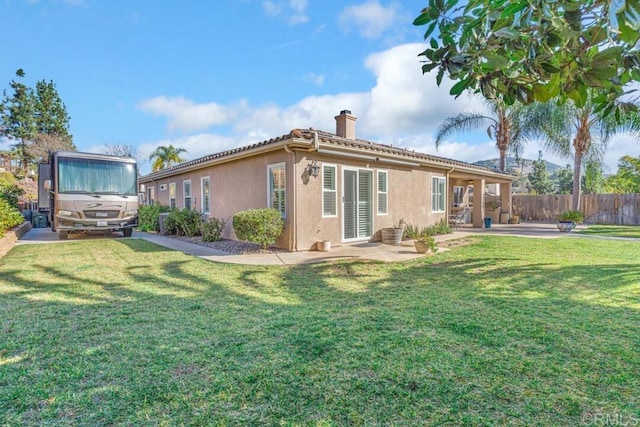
<point x="421" y="247"/>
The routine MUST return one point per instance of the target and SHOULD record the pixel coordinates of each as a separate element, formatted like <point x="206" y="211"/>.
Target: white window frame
<point x="458" y="195"/>
<point x="438" y="194"/>
<point x="184" y="194"/>
<point x="173" y="200"/>
<point x="329" y="192"/>
<point x="378" y="192"/>
<point x="373" y="189"/>
<point x="270" y="168"/>
<point x="206" y="206"/>
<point x="151" y="195"/>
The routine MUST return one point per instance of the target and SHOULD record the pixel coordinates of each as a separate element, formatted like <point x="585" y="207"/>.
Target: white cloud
<point x="404" y="101"/>
<point x="299" y="12"/>
<point x="403" y="108"/>
<point x="315" y="79"/>
<point x="294" y="11"/>
<point x="184" y="114"/>
<point x="370" y="19"/>
<point x="272" y="8"/>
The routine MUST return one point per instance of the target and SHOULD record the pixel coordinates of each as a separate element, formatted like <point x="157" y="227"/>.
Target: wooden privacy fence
<point x="596" y="208"/>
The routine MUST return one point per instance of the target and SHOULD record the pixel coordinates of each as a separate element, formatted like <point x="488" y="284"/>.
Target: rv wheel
<point x="126" y="232"/>
<point x="63" y="234"/>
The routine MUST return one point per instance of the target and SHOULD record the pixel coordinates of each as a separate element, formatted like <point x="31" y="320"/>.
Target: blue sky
<point x="211" y="75"/>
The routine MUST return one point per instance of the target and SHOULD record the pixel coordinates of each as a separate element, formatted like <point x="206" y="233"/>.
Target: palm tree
<point x="584" y="134"/>
<point x="510" y="125"/>
<point x="166" y="157"/>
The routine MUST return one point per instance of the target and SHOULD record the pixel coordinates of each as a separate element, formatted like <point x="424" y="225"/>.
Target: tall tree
<point x="36" y="120"/>
<point x="43" y="144"/>
<point x="18" y="119"/>
<point x="539" y="181"/>
<point x="535" y="50"/>
<point x="593" y="180"/>
<point x="564" y="180"/>
<point x="627" y="178"/>
<point x="166" y="156"/>
<point x="122" y="150"/>
<point x="510" y="125"/>
<point x="50" y="112"/>
<point x="580" y="132"/>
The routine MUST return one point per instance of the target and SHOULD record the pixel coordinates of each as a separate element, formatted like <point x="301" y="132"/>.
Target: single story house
<point x="327" y="186"/>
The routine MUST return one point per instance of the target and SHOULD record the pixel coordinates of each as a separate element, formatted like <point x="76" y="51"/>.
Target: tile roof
<point x="332" y="140"/>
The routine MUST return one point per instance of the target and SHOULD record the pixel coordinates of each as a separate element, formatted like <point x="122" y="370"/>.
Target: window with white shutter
<point x="329" y="193"/>
<point x="383" y="194"/>
<point x="277" y="197"/>
<point x="438" y="194"/>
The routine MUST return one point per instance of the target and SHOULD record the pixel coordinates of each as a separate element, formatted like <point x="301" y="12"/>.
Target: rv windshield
<point x="93" y="176"/>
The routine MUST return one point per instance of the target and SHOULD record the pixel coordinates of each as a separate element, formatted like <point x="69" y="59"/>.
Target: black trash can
<point x="39" y="220"/>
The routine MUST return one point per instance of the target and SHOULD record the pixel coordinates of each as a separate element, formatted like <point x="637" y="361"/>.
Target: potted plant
<point x="393" y="235"/>
<point x="516" y="214"/>
<point x="567" y="220"/>
<point x="424" y="243"/>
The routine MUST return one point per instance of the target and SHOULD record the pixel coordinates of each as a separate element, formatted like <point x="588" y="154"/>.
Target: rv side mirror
<point x="47" y="184"/>
<point x="143" y="189"/>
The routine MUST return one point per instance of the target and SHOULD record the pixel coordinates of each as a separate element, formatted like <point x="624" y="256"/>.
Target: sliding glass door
<point x="357" y="204"/>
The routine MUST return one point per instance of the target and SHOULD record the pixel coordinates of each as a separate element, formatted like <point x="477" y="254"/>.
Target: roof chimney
<point x="346" y="125"/>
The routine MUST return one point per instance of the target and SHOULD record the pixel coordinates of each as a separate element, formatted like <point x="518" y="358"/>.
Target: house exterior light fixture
<point x="313" y="169"/>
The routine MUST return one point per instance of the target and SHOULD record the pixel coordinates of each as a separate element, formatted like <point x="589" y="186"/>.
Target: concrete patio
<point x="362" y="250"/>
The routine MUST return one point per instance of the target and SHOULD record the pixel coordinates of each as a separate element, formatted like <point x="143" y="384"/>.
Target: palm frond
<point x="463" y="122"/>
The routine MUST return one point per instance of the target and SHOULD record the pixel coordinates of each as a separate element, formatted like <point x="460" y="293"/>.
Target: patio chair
<point x="459" y="218"/>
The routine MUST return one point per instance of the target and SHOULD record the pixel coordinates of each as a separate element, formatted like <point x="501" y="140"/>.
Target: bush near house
<point x="212" y="229"/>
<point x="148" y="216"/>
<point x="261" y="226"/>
<point x="9" y="216"/>
<point x="9" y="189"/>
<point x="183" y="222"/>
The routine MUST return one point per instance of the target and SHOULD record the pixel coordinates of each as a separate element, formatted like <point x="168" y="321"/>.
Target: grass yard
<point x="501" y="331"/>
<point x="629" y="231"/>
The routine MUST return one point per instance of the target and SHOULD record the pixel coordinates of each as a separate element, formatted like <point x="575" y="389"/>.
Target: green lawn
<point x="501" y="331"/>
<point x="632" y="231"/>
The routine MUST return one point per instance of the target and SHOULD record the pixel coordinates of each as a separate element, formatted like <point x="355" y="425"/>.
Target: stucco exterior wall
<point x="234" y="186"/>
<point x="409" y="198"/>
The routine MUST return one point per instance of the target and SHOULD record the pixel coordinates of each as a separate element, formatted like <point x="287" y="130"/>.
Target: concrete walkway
<point x="363" y="250"/>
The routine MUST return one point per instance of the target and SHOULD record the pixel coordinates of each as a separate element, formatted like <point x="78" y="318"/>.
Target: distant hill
<point x="523" y="166"/>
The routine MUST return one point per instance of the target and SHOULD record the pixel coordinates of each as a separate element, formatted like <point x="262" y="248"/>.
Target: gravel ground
<point x="230" y="246"/>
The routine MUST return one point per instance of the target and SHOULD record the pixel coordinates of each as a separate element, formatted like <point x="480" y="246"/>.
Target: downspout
<point x="293" y="237"/>
<point x="448" y="210"/>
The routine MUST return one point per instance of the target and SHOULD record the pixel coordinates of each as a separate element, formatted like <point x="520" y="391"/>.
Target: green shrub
<point x="9" y="216"/>
<point x="414" y="232"/>
<point x="411" y="232"/>
<point x="442" y="227"/>
<point x="183" y="222"/>
<point x="212" y="229"/>
<point x="261" y="226"/>
<point x="573" y="216"/>
<point x="148" y="216"/>
<point x="11" y="194"/>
